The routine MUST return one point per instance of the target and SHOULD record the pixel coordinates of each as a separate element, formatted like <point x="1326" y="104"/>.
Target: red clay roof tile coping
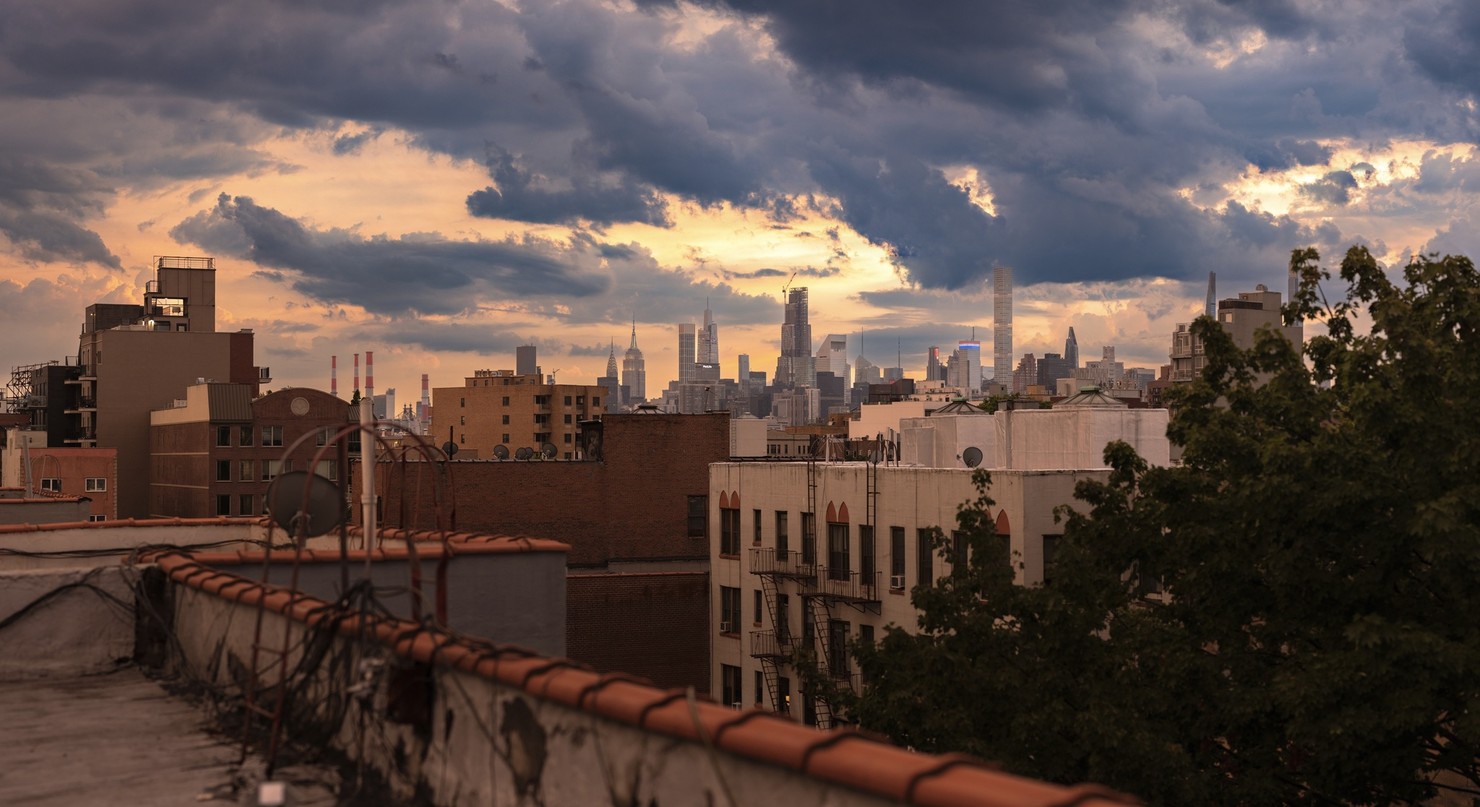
<point x="848" y="758"/>
<point x="118" y="523"/>
<point x="476" y="545"/>
<point x="61" y="497"/>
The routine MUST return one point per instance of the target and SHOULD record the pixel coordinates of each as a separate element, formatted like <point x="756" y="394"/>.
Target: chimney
<point x="426" y="391"/>
<point x="357" y="372"/>
<point x="370" y="375"/>
<point x="334" y="376"/>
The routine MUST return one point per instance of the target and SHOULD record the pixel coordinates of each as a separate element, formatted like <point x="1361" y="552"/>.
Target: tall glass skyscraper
<point x="1002" y="325"/>
<point x="796" y="367"/>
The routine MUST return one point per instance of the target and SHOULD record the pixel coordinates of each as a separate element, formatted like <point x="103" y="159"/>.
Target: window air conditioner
<point x="726" y="627"/>
<point x="896" y="581"/>
<point x="737" y="705"/>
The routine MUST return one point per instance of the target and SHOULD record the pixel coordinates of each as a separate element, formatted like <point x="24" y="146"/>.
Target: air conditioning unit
<point x="726" y="627"/>
<point x="896" y="581"/>
<point x="737" y="705"/>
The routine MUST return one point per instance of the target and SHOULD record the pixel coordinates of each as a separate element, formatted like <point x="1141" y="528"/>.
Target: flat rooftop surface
<point x="118" y="738"/>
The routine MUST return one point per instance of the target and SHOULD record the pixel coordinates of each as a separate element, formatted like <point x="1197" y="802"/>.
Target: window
<point x="729" y="531"/>
<point x="698" y="516"/>
<point x="223" y="436"/>
<point x="567" y="400"/>
<point x="51" y="483"/>
<point x="809" y="538"/>
<point x="463" y="402"/>
<point x="896" y="558"/>
<point x="838" y="562"/>
<point x="923" y="554"/>
<point x="97" y="518"/>
<point x="462" y="420"/>
<point x="760" y="686"/>
<point x="270" y="469"/>
<point x="272" y="436"/>
<point x="245" y="502"/>
<point x="328" y="469"/>
<point x="223" y="470"/>
<point x="1050" y="548"/>
<point x="959" y="564"/>
<point x="781" y="537"/>
<point x="783" y="618"/>
<point x="506" y="400"/>
<point x="244" y="435"/>
<point x="866" y="638"/>
<point x="567" y="438"/>
<point x="729" y="609"/>
<point x="246" y="471"/>
<point x="595" y="402"/>
<point x="322" y="438"/>
<point x="756" y="539"/>
<point x="580" y="400"/>
<point x="506" y="439"/>
<point x="868" y="566"/>
<point x="567" y="419"/>
<point x="837" y="647"/>
<point x="729" y="677"/>
<point x="506" y="420"/>
<point x="783" y="695"/>
<point x="96" y="484"/>
<point x="758" y="606"/>
<point x="223" y="505"/>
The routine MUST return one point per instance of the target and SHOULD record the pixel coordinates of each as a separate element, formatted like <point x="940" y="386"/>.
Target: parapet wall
<point x="486" y="724"/>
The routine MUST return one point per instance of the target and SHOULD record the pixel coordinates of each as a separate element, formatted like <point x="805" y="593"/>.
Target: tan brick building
<point x="502" y="408"/>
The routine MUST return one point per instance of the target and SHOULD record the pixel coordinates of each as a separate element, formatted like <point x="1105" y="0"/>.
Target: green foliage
<point x="1300" y="622"/>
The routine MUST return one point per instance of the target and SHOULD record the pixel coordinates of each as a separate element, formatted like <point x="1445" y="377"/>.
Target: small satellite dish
<point x="523" y="453"/>
<point x="549" y="450"/>
<point x="501" y="451"/>
<point x="972" y="456"/>
<point x="286" y="503"/>
<point x="449" y="448"/>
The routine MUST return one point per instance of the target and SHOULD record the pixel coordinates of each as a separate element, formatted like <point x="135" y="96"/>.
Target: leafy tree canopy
<point x="1301" y="618"/>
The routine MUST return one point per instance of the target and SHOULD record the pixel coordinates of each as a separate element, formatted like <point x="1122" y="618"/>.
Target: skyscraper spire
<point x="633" y="346"/>
<point x="611" y="359"/>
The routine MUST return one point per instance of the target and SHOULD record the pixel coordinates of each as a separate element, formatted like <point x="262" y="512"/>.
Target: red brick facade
<point x="652" y="625"/>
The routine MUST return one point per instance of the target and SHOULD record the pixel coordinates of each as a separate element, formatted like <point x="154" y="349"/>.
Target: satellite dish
<point x="549" y="450"/>
<point x="972" y="456"/>
<point x="501" y="451"/>
<point x="449" y="448"/>
<point x="286" y="502"/>
<point x="523" y="453"/>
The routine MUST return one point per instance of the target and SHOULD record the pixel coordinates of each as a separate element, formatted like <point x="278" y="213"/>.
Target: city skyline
<point x="440" y="183"/>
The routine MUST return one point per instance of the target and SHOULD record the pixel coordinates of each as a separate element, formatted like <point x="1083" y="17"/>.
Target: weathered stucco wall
<point x="71" y="627"/>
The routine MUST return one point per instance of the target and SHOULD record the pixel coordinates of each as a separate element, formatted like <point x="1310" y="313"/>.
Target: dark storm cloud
<point x="42" y="208"/>
<point x="412" y="274"/>
<point x="1334" y="188"/>
<point x="804" y="271"/>
<point x="586" y="200"/>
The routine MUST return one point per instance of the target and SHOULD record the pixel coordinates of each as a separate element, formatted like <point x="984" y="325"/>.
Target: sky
<point x="439" y="181"/>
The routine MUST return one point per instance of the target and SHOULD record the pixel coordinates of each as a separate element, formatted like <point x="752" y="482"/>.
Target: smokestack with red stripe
<point x="426" y="391"/>
<point x="370" y="375"/>
<point x="357" y="373"/>
<point x="334" y="376"/>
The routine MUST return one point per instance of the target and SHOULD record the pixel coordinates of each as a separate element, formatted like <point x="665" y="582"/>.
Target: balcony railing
<point x="766" y="644"/>
<point x="848" y="586"/>
<point x="781" y="562"/>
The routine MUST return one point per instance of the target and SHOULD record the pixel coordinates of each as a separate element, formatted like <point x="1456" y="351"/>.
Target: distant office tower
<point x="1210" y="307"/>
<point x="1026" y="373"/>
<point x="971" y="355"/>
<point x="1002" y="325"/>
<point x="742" y="373"/>
<point x="686" y="355"/>
<point x="524" y="361"/>
<point x="1071" y="350"/>
<point x="1241" y="317"/>
<point x="1051" y="368"/>
<point x="634" y="371"/>
<point x="832" y="357"/>
<point x="611" y="382"/>
<point x="611" y="360"/>
<point x="796" y="366"/>
<point x="708" y="352"/>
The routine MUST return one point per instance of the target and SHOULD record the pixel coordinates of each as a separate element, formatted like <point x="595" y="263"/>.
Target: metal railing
<point x="781" y="562"/>
<point x="767" y="644"/>
<point x="848" y="586"/>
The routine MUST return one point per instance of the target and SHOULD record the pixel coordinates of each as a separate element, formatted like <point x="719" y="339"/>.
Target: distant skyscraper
<point x="1026" y="374"/>
<point x="634" y="371"/>
<point x="1210" y="306"/>
<point x="832" y="357"/>
<point x="971" y="354"/>
<point x="525" y="362"/>
<point x="934" y="370"/>
<point x="796" y="366"/>
<point x="686" y="355"/>
<point x="610" y="382"/>
<point x="708" y="352"/>
<point x="1002" y="325"/>
<point x="1071" y="350"/>
<point x="611" y="360"/>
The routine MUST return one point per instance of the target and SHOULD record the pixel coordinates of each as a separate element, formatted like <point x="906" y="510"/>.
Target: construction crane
<point x="787" y="286"/>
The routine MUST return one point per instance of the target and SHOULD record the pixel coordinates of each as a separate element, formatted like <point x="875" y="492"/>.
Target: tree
<point x="1291" y="616"/>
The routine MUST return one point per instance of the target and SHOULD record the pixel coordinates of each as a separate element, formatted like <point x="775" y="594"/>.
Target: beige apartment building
<point x="819" y="554"/>
<point x="1241" y="317"/>
<point x="499" y="408"/>
<point x="134" y="359"/>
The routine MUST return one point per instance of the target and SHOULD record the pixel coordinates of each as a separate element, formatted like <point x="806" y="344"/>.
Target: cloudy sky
<point x="439" y="181"/>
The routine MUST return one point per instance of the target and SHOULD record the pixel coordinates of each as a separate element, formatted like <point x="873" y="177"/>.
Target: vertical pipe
<point x="334" y="376"/>
<point x="357" y="372"/>
<point x="367" y="477"/>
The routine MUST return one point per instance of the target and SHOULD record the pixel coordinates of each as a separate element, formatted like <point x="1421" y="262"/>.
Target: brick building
<point x="217" y="451"/>
<point x="502" y="408"/>
<point x="635" y="514"/>
<point x="27" y="464"/>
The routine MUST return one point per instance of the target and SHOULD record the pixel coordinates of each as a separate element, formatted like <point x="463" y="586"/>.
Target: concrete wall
<point x="490" y="743"/>
<point x="76" y="632"/>
<point x="115" y="540"/>
<point x="509" y="598"/>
